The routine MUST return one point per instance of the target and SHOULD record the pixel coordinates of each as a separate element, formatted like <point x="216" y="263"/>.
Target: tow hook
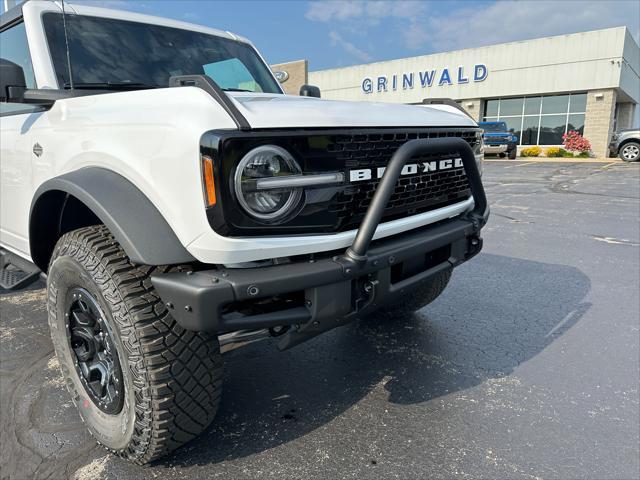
<point x="475" y="244"/>
<point x="370" y="286"/>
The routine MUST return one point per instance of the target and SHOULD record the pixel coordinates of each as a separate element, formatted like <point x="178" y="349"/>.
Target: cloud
<point x="341" y="10"/>
<point x="357" y="17"/>
<point x="415" y="36"/>
<point x="333" y="10"/>
<point x="336" y="39"/>
<point x="518" y="20"/>
<point x="425" y="27"/>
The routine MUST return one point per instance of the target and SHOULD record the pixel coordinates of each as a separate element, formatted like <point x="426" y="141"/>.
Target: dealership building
<point x="541" y="88"/>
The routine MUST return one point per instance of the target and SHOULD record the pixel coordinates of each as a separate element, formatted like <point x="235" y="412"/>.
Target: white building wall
<point x="630" y="68"/>
<point x="576" y="62"/>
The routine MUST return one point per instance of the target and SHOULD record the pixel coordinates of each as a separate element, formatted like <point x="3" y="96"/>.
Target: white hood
<point x="285" y="111"/>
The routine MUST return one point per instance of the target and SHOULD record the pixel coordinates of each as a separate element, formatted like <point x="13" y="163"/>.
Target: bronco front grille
<point x="415" y="194"/>
<point x="336" y="208"/>
<point x="496" y="139"/>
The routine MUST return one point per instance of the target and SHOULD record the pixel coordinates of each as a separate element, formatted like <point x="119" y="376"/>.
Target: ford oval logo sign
<point x="281" y="75"/>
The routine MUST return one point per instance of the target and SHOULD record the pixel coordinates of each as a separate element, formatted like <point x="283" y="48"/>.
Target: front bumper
<point x="209" y="249"/>
<point x="324" y="293"/>
<point x="494" y="149"/>
<point x="497" y="148"/>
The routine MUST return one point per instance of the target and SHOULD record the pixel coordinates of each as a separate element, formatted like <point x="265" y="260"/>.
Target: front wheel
<point x="513" y="153"/>
<point x="630" y="152"/>
<point x="421" y="296"/>
<point x="143" y="384"/>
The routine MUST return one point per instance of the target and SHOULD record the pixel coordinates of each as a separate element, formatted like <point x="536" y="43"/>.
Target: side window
<point x="14" y="47"/>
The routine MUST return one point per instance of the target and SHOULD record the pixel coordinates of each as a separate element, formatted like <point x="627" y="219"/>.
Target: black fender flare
<point x="134" y="221"/>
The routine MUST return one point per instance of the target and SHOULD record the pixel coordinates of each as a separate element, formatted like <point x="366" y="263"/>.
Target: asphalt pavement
<point x="526" y="367"/>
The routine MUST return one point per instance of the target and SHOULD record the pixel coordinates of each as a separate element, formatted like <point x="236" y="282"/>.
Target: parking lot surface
<point x="526" y="367"/>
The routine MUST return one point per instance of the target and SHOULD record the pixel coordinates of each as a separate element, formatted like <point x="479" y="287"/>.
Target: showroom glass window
<point x="539" y="120"/>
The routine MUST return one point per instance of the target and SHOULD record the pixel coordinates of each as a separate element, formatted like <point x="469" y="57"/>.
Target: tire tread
<point x="177" y="373"/>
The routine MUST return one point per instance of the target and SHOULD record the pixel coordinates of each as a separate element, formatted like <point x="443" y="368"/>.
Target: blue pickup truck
<point x="498" y="140"/>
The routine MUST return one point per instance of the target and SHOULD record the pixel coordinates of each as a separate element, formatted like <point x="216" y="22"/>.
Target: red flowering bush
<point x="575" y="142"/>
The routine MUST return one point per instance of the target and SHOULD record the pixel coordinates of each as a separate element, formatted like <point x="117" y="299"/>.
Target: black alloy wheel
<point x="143" y="385"/>
<point x="95" y="355"/>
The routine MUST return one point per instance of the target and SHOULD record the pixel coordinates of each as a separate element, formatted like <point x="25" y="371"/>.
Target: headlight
<point x="267" y="161"/>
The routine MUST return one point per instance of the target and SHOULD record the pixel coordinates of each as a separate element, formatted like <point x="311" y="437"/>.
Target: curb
<point x="554" y="160"/>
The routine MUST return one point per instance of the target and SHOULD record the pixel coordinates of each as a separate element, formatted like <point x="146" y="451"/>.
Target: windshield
<point x="113" y="53"/>
<point x="494" y="127"/>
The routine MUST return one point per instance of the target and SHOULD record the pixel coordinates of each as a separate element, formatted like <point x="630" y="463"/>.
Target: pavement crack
<point x="564" y="185"/>
<point x="511" y="219"/>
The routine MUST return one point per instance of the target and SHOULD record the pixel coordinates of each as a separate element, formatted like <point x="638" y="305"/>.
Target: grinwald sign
<point x="425" y="78"/>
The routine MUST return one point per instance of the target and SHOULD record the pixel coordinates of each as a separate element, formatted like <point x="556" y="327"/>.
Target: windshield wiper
<point x="237" y="90"/>
<point x="111" y="85"/>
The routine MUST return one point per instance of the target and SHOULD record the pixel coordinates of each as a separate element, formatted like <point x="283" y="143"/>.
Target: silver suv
<point x="626" y="145"/>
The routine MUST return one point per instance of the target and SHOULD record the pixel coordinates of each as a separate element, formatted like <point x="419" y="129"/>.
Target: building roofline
<point x="473" y="48"/>
<point x="628" y="32"/>
<point x="291" y="61"/>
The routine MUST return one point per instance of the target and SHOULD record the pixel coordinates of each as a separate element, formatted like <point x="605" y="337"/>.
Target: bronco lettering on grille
<point x="409" y="169"/>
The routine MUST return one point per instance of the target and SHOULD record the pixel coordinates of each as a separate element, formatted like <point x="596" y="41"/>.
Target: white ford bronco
<point x="177" y="201"/>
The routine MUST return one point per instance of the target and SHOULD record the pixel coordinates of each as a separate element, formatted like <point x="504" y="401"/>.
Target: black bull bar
<point x="336" y="289"/>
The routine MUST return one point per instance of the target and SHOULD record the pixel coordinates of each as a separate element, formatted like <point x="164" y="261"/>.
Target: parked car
<point x="177" y="200"/>
<point x="499" y="140"/>
<point x="626" y="145"/>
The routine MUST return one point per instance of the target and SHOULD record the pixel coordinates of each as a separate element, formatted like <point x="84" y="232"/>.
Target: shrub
<point x="557" y="152"/>
<point x="583" y="155"/>
<point x="553" y="152"/>
<point x="575" y="142"/>
<point x="531" y="152"/>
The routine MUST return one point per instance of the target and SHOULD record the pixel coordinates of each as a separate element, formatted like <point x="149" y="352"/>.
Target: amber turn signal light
<point x="209" y="183"/>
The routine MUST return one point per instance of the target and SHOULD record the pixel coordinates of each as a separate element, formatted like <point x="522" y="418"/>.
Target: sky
<point x="341" y="33"/>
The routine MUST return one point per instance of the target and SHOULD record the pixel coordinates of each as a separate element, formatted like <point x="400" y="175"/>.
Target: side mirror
<point x="309" y="91"/>
<point x="12" y="82"/>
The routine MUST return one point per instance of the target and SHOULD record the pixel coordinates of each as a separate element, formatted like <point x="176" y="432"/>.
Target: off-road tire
<point x="422" y="296"/>
<point x="630" y="152"/>
<point x="513" y="153"/>
<point x="172" y="377"/>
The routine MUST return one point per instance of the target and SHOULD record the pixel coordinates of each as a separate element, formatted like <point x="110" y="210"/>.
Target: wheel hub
<point x="630" y="152"/>
<point x="93" y="350"/>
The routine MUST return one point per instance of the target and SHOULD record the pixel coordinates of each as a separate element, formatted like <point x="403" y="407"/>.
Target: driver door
<point x="16" y="150"/>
